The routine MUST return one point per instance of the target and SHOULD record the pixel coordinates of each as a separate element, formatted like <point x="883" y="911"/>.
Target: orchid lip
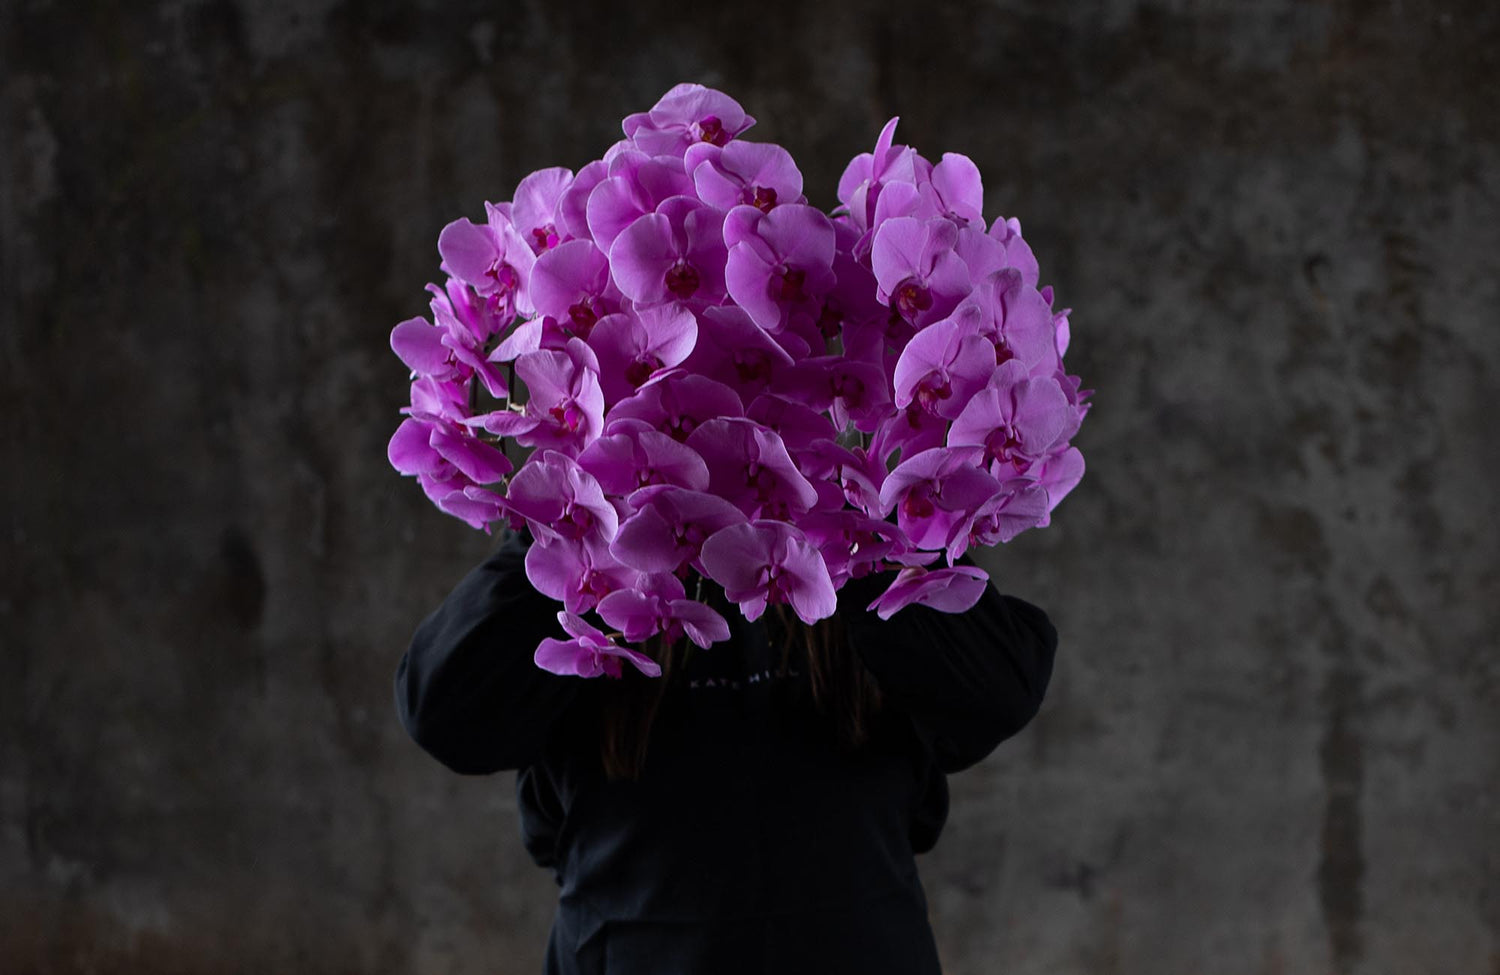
<point x="682" y="280"/>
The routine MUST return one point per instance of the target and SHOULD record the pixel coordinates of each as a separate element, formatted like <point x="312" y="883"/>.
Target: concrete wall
<point x="1271" y="745"/>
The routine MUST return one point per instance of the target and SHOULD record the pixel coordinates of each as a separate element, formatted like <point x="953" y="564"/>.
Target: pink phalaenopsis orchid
<point x="869" y="172"/>
<point x="659" y="605"/>
<point x="570" y="283"/>
<point x="589" y="653"/>
<point x="918" y="273"/>
<point x="667" y="530"/>
<point x="534" y="212"/>
<point x="748" y="466"/>
<point x="943" y="366"/>
<point x="491" y="258"/>
<point x="561" y="500"/>
<point x="679" y="403"/>
<point x="633" y="454"/>
<point x="566" y="400"/>
<point x="577" y="572"/>
<point x="635" y="346"/>
<point x="949" y="590"/>
<point x="760" y="563"/>
<point x="757" y="174"/>
<point x="686" y="115"/>
<point x="936" y="494"/>
<point x="674" y="254"/>
<point x="780" y="264"/>
<point x="1015" y="418"/>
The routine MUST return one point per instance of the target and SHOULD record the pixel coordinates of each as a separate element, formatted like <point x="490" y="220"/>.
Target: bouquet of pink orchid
<point x="714" y="378"/>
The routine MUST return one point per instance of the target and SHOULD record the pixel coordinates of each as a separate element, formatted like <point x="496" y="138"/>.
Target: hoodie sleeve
<point x="467" y="688"/>
<point x="970" y="680"/>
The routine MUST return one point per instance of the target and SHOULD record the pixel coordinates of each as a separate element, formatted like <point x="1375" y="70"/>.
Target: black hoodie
<point x="752" y="842"/>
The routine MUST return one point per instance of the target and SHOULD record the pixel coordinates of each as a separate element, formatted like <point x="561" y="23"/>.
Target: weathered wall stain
<point x="1341" y="867"/>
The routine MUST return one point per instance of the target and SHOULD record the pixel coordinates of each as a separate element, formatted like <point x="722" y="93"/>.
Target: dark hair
<point x="843" y="691"/>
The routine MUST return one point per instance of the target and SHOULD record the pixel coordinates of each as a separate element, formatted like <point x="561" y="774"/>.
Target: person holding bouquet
<point x="732" y="642"/>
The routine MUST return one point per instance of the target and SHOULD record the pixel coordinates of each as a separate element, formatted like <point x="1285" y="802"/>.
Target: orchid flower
<point x="937" y="493"/>
<point x="633" y="347"/>
<point x="674" y="254"/>
<point x="659" y="605"/>
<point x="534" y="212"/>
<point x="918" y="273"/>
<point x="589" y="653"/>
<point x="869" y="172"/>
<point x="566" y="400"/>
<point x="851" y="542"/>
<point x="769" y="562"/>
<point x="559" y="499"/>
<point x="733" y="350"/>
<point x="634" y="185"/>
<point x="1057" y="474"/>
<point x="948" y="590"/>
<point x="490" y="258"/>
<point x="780" y="263"/>
<point x="678" y="404"/>
<point x="577" y="572"/>
<point x="758" y="174"/>
<point x="667" y="530"/>
<point x="633" y="454"/>
<point x="1015" y="418"/>
<point x="685" y="115"/>
<point x="570" y="282"/>
<point x="943" y="366"/>
<point x="1021" y="504"/>
<point x="748" y="466"/>
<point x="1018" y="253"/>
<point x="955" y="191"/>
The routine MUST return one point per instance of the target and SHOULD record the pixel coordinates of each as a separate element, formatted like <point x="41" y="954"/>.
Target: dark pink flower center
<point x="576" y="521"/>
<point x="682" y="280"/>
<point x="596" y="584"/>
<point x="711" y="130"/>
<point x="786" y="284"/>
<point x="752" y="365"/>
<point x="763" y="199"/>
<point x="568" y="416"/>
<point x="932" y="390"/>
<point x="918" y="504"/>
<point x="688" y="538"/>
<point x="777" y="583"/>
<point x="761" y="479"/>
<point x="583" y="315"/>
<point x="911" y="299"/>
<point x="830" y="319"/>
<point x="504" y="276"/>
<point x="1003" y="445"/>
<point x="641" y="368"/>
<point x="679" y="426"/>
<point x="544" y="237"/>
<point x="848" y="388"/>
<point x="776" y="508"/>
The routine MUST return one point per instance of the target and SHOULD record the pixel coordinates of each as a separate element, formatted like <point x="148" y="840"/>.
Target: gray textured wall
<point x="1272" y="744"/>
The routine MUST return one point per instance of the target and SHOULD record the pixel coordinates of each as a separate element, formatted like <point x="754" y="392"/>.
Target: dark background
<point x="1271" y="743"/>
